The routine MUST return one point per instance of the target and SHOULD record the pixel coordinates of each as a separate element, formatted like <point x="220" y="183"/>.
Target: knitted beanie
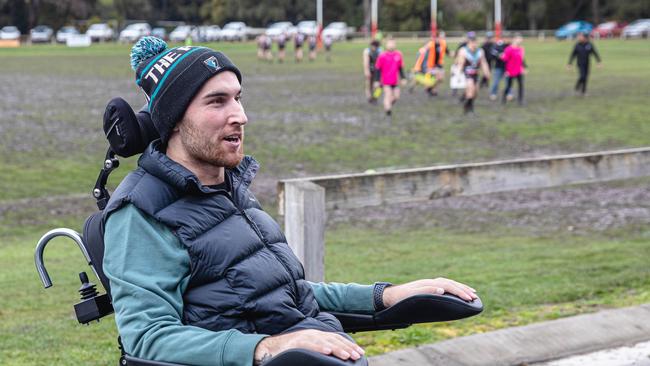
<point x="171" y="77"/>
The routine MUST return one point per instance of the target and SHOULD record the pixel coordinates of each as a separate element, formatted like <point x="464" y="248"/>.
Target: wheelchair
<point x="128" y="134"/>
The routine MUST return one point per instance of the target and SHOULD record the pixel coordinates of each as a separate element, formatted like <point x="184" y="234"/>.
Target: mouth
<point x="234" y="139"/>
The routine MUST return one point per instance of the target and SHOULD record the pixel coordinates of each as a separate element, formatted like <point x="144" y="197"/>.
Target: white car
<point x="134" y="31"/>
<point x="64" y="33"/>
<point x="307" y="27"/>
<point x="213" y="33"/>
<point x="100" y="32"/>
<point x="234" y="31"/>
<point x="41" y="33"/>
<point x="159" y="32"/>
<point x="638" y="28"/>
<point x="200" y="33"/>
<point x="276" y="29"/>
<point x="337" y="30"/>
<point x="9" y="32"/>
<point x="181" y="33"/>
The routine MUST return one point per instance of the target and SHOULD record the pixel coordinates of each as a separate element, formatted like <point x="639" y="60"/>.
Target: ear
<point x="177" y="126"/>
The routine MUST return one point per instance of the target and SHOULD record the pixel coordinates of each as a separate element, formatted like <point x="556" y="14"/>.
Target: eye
<point x="218" y="100"/>
<point x="238" y="98"/>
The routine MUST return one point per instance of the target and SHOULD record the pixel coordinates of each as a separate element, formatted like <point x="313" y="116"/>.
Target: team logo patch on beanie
<point x="212" y="63"/>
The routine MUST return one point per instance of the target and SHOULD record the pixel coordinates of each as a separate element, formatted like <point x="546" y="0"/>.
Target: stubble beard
<point x="201" y="148"/>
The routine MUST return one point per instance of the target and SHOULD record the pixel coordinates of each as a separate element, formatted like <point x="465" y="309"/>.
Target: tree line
<point x="394" y="15"/>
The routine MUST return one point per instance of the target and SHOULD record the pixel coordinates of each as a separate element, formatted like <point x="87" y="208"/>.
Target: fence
<point x="303" y="202"/>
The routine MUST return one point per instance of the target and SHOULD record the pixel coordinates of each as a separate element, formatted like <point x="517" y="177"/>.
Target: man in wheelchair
<point x="199" y="274"/>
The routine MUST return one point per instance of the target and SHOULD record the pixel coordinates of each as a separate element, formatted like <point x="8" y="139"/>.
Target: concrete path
<point x="532" y="343"/>
<point x="636" y="355"/>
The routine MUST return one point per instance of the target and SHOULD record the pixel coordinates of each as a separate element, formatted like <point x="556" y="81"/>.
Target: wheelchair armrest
<point x="301" y="357"/>
<point x="412" y="310"/>
<point x="292" y="357"/>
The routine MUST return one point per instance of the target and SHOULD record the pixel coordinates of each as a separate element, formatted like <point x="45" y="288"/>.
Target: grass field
<point x="312" y="119"/>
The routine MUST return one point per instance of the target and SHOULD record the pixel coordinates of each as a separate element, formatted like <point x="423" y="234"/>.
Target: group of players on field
<point x="472" y="69"/>
<point x="265" y="46"/>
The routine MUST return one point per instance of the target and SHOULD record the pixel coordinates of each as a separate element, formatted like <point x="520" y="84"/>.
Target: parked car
<point x="64" y="33"/>
<point x="200" y="33"/>
<point x="9" y="32"/>
<point x="41" y="33"/>
<point x="100" y="32"/>
<point x="213" y="33"/>
<point x="308" y="27"/>
<point x="571" y="30"/>
<point x="278" y="28"/>
<point x="608" y="30"/>
<point x="638" y="28"/>
<point x="181" y="33"/>
<point x="337" y="30"/>
<point x="159" y="32"/>
<point x="234" y="31"/>
<point x="134" y="31"/>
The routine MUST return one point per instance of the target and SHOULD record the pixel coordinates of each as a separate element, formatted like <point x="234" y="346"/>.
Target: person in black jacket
<point x="488" y="51"/>
<point x="582" y="51"/>
<point x="499" y="67"/>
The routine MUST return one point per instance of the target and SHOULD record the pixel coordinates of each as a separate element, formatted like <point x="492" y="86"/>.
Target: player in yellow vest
<point x="429" y="67"/>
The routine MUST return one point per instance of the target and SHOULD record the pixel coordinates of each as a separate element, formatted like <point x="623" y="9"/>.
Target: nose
<point x="237" y="114"/>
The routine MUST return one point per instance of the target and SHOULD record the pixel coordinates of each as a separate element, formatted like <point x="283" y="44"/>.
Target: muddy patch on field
<point x="576" y="209"/>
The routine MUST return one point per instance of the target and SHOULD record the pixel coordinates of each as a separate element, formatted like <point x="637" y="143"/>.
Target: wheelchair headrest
<point x="128" y="133"/>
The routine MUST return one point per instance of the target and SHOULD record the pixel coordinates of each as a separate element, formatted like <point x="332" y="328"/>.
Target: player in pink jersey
<point x="390" y="66"/>
<point x="513" y="56"/>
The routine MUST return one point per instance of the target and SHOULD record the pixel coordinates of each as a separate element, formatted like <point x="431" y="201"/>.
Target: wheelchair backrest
<point x="93" y="240"/>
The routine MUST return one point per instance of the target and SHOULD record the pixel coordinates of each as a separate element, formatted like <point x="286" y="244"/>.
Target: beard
<point x="208" y="149"/>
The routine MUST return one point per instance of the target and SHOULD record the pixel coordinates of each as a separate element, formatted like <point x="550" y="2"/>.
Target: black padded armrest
<point x="412" y="310"/>
<point x="293" y="357"/>
<point x="303" y="357"/>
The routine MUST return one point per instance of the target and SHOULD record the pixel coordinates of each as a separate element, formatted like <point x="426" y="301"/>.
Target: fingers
<point x="329" y="344"/>
<point x="344" y="348"/>
<point x="450" y="286"/>
<point x="463" y="286"/>
<point x="460" y="290"/>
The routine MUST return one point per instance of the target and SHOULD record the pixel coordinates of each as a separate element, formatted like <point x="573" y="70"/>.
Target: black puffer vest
<point x="244" y="276"/>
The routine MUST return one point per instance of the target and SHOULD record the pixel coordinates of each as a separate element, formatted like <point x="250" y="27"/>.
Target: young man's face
<point x="212" y="129"/>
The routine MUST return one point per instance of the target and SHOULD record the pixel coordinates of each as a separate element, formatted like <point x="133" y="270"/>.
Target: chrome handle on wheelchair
<point x="40" y="248"/>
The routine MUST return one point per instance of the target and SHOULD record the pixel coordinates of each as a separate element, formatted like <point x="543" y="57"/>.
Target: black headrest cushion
<point x="128" y="133"/>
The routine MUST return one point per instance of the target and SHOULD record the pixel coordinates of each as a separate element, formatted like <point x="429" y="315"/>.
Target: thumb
<point x="439" y="291"/>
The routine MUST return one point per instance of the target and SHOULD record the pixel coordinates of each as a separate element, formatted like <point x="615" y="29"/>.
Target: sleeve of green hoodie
<point x="149" y="270"/>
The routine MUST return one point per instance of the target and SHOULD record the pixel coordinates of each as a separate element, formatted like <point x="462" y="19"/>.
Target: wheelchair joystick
<point x="87" y="290"/>
<point x="93" y="306"/>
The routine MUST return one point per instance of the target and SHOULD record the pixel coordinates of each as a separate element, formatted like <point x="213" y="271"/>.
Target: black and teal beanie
<point x="170" y="77"/>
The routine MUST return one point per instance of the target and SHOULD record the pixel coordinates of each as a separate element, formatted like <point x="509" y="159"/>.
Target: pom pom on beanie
<point x="145" y="48"/>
